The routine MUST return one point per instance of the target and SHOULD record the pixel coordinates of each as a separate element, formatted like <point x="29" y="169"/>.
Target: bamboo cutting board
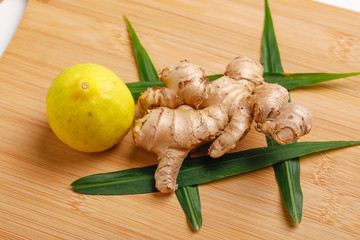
<point x="36" y="201"/>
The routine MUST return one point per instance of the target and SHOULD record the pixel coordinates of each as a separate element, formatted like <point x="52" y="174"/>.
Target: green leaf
<point x="287" y="174"/>
<point x="214" y="77"/>
<point x="270" y="54"/>
<point x="294" y="80"/>
<point x="147" y="70"/>
<point x="189" y="199"/>
<point x="201" y="169"/>
<point x="288" y="179"/>
<point x="287" y="80"/>
<point x="136" y="88"/>
<point x="189" y="196"/>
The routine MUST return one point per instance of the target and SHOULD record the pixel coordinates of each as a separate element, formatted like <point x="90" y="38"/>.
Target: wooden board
<point x="36" y="201"/>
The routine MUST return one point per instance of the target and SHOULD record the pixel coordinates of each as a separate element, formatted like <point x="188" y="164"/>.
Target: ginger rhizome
<point x="191" y="111"/>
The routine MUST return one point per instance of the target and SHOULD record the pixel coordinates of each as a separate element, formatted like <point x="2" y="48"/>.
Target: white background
<point x="11" y="12"/>
<point x="348" y="4"/>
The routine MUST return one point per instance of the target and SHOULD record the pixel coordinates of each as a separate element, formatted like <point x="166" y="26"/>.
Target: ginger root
<point x="191" y="111"/>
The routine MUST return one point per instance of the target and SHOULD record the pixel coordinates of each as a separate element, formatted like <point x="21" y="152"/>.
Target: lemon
<point x="89" y="107"/>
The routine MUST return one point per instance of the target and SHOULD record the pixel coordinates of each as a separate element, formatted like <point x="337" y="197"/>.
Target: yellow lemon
<point x="89" y="107"/>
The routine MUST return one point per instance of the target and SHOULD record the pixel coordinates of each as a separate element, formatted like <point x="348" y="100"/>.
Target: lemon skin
<point x="89" y="107"/>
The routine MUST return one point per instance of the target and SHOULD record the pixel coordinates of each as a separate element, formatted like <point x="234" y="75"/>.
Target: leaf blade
<point x="188" y="196"/>
<point x="214" y="77"/>
<point x="270" y="54"/>
<point x="295" y="80"/>
<point x="146" y="69"/>
<point x="292" y="195"/>
<point x="288" y="180"/>
<point x="189" y="199"/>
<point x="288" y="80"/>
<point x="200" y="170"/>
<point x="136" y="88"/>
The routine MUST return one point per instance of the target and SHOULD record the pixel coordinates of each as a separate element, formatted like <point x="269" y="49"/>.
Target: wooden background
<point x="36" y="201"/>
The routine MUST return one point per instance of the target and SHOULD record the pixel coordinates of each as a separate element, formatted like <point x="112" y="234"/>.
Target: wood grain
<point x="36" y="169"/>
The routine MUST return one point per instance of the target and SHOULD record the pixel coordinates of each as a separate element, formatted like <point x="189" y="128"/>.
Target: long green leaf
<point x="189" y="199"/>
<point x="270" y="54"/>
<point x="288" y="172"/>
<point x="294" y="80"/>
<point x="147" y="70"/>
<point x="136" y="88"/>
<point x="287" y="80"/>
<point x="188" y="196"/>
<point x="201" y="169"/>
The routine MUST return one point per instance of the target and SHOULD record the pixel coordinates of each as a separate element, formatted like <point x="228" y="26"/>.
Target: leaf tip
<point x="127" y="20"/>
<point x="196" y="227"/>
<point x="73" y="184"/>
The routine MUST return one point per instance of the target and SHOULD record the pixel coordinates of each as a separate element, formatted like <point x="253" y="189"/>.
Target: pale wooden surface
<point x="36" y="168"/>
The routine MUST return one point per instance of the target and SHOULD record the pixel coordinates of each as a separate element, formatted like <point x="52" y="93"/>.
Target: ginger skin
<point x="191" y="111"/>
